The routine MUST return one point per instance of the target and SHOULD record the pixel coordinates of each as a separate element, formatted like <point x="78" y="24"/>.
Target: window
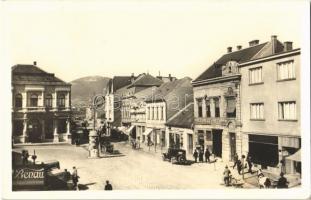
<point x="208" y="135"/>
<point x="231" y="107"/>
<point x="257" y="111"/>
<point x="33" y="100"/>
<point x="157" y="113"/>
<point x="287" y="110"/>
<point x="149" y="114"/>
<point x="217" y="109"/>
<point x="200" y="111"/>
<point x="48" y="100"/>
<point x="152" y="112"/>
<point x="18" y="101"/>
<point x="255" y="75"/>
<point x="286" y="70"/>
<point x="208" y="108"/>
<point x="61" y="100"/>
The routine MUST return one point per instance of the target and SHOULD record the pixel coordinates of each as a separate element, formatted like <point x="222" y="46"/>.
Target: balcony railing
<point x="38" y="109"/>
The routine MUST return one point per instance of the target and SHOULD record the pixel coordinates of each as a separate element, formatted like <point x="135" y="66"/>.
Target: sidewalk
<point x="40" y="144"/>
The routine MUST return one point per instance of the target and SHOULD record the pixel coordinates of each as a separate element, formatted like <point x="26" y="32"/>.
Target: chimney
<point x="288" y="46"/>
<point x="35" y="63"/>
<point x="239" y="47"/>
<point x="132" y="78"/>
<point x="273" y="43"/>
<point x="229" y="49"/>
<point x="253" y="43"/>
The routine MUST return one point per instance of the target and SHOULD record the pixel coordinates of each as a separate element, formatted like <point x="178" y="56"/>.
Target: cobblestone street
<point x="132" y="169"/>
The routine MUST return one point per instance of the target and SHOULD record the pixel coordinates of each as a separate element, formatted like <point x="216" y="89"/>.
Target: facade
<point x="271" y="117"/>
<point x="168" y="99"/>
<point x="179" y="130"/>
<point x="235" y="111"/>
<point x="41" y="106"/>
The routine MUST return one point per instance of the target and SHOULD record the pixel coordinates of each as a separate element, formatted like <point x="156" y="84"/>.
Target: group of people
<point x="243" y="163"/>
<point x="201" y="154"/>
<point x="75" y="179"/>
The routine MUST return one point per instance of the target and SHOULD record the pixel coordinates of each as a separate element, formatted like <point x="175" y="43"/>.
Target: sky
<point x="109" y="38"/>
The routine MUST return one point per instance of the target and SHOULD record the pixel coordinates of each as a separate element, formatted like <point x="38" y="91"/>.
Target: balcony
<point x="221" y="121"/>
<point x="39" y="109"/>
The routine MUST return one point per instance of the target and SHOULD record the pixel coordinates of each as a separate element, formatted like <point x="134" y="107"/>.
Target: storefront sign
<point x="28" y="176"/>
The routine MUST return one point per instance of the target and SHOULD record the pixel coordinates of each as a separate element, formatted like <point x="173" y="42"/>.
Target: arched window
<point x="18" y="101"/>
<point x="48" y="100"/>
<point x="34" y="100"/>
<point x="61" y="100"/>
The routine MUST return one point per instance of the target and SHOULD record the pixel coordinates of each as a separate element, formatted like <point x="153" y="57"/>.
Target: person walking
<point x="282" y="182"/>
<point x="239" y="166"/>
<point x="195" y="155"/>
<point x="108" y="186"/>
<point x="207" y="155"/>
<point x="75" y="178"/>
<point x="201" y="154"/>
<point x="227" y="174"/>
<point x="249" y="163"/>
<point x="235" y="159"/>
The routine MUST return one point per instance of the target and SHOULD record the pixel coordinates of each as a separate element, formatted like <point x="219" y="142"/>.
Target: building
<point x="167" y="100"/>
<point x="270" y="96"/>
<point x="41" y="106"/>
<point x="179" y="129"/>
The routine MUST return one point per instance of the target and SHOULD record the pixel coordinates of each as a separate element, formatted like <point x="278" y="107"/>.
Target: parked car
<point x="175" y="154"/>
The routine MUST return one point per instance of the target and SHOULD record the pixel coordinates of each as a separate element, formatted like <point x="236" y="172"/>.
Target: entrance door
<point x="34" y="130"/>
<point x="190" y="143"/>
<point x="217" y="142"/>
<point x="232" y="145"/>
<point x="201" y="141"/>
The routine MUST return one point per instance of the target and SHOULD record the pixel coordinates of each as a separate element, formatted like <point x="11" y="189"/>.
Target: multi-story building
<point x="179" y="129"/>
<point x="41" y="106"/>
<point x="168" y="99"/>
<point x="270" y="96"/>
<point x="248" y="102"/>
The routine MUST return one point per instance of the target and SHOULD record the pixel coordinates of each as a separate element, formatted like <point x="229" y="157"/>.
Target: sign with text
<point x="28" y="176"/>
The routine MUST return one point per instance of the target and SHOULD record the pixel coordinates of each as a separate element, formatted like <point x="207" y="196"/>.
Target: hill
<point x="83" y="89"/>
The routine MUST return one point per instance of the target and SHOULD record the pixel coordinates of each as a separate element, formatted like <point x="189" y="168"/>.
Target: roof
<point x="121" y="81"/>
<point x="31" y="74"/>
<point x="146" y="80"/>
<point x="243" y="55"/>
<point x="184" y="118"/>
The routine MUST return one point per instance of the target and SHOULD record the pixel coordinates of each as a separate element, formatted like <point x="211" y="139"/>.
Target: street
<point x="132" y="169"/>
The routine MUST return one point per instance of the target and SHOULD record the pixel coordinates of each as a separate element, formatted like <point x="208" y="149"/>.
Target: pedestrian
<point x="249" y="163"/>
<point x="207" y="155"/>
<point x="195" y="155"/>
<point x="75" y="177"/>
<point x="239" y="166"/>
<point x="235" y="159"/>
<point x="227" y="174"/>
<point x="77" y="140"/>
<point x="243" y="164"/>
<point x="25" y="156"/>
<point x="201" y="154"/>
<point x="282" y="182"/>
<point x="281" y="166"/>
<point x="108" y="186"/>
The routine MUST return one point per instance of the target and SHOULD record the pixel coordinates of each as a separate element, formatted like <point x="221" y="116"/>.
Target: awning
<point x="128" y="131"/>
<point x="295" y="157"/>
<point x="148" y="131"/>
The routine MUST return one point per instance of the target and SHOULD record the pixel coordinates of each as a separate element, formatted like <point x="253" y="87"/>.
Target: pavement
<point x="132" y="169"/>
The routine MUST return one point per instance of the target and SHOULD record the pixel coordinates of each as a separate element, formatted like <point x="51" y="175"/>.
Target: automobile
<point x="175" y="154"/>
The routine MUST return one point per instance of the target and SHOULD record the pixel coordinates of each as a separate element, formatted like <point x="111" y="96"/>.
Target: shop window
<point x="18" y="101"/>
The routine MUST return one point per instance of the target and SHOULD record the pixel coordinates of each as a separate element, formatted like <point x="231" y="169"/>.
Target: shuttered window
<point x="257" y="111"/>
<point x="287" y="110"/>
<point x="286" y="70"/>
<point x="255" y="75"/>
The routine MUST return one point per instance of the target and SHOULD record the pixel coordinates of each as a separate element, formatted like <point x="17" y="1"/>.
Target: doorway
<point x="34" y="130"/>
<point x="232" y="145"/>
<point x="190" y="143"/>
<point x="217" y="142"/>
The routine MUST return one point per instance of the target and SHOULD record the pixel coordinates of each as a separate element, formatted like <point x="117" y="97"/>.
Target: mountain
<point x="83" y="89"/>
